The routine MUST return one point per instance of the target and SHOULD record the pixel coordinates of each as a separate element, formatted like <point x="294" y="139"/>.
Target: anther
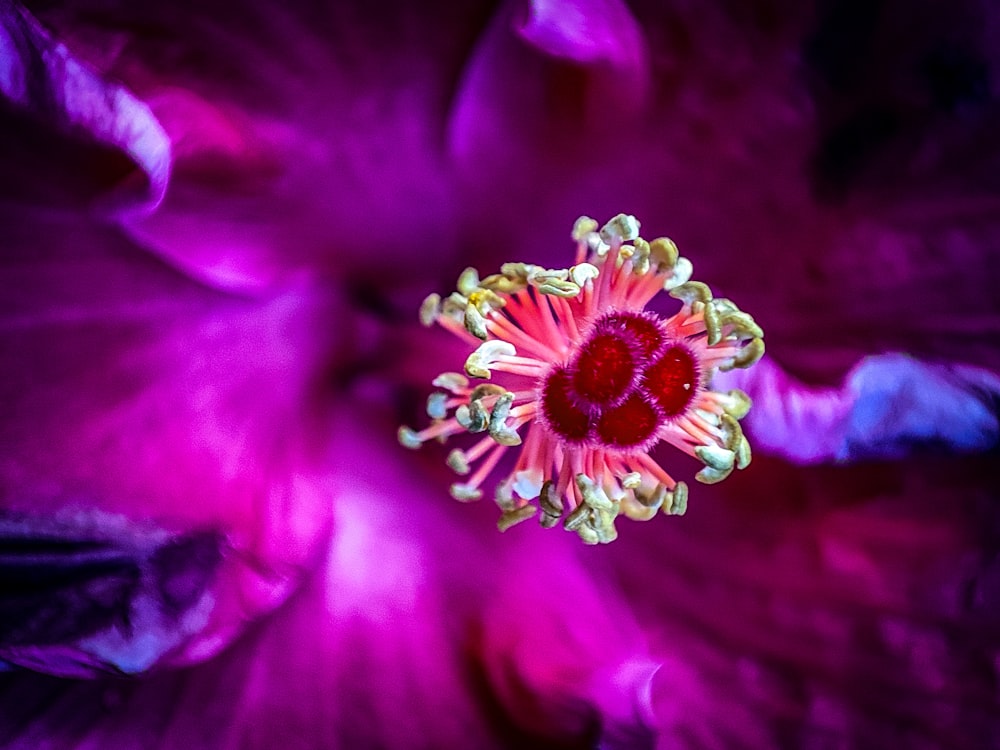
<point x="458" y="462"/>
<point x="582" y="273"/>
<point x="736" y="403"/>
<point x="436" y="408"/>
<point x="430" y="309"/>
<point x="715" y="457"/>
<point x="468" y="281"/>
<point x="478" y="363"/>
<point x="516" y="516"/>
<point x="550" y="501"/>
<point x="592" y="494"/>
<point x="680" y="500"/>
<point x="577" y="517"/>
<point x="451" y="381"/>
<point x="679" y="274"/>
<point x="622" y="228"/>
<point x="499" y="430"/>
<point x="559" y="288"/>
<point x="465" y="492"/>
<point x="408" y="438"/>
<point x="748" y="356"/>
<point x="692" y="291"/>
<point x="583" y="227"/>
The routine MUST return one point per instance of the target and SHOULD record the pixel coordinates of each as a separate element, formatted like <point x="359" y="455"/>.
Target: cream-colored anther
<point x="577" y="517"/>
<point x="547" y="521"/>
<point x="622" y="228"/>
<point x="679" y="274"/>
<point x="518" y="271"/>
<point x="559" y="288"/>
<point x="499" y="430"/>
<point x="713" y="327"/>
<point x="479" y="418"/>
<point x="465" y="492"/>
<point x="430" y="309"/>
<point x="715" y="457"/>
<point x="680" y="500"/>
<point x="474" y="321"/>
<point x="654" y="499"/>
<point x="710" y="475"/>
<point x="539" y="275"/>
<point x="408" y="438"/>
<point x="736" y="403"/>
<point x="582" y="273"/>
<point x="549" y="500"/>
<point x="458" y="462"/>
<point x="691" y="292"/>
<point x="748" y="356"/>
<point x="663" y="253"/>
<point x="468" y="281"/>
<point x="436" y="405"/>
<point x="503" y="284"/>
<point x="478" y="363"/>
<point x="485" y="390"/>
<point x="472" y="416"/>
<point x="632" y="480"/>
<point x="588" y="534"/>
<point x="583" y="227"/>
<point x="503" y="496"/>
<point x="516" y="516"/>
<point x="744" y="326"/>
<point x="736" y="441"/>
<point x="640" y="257"/>
<point x="593" y="494"/>
<point x="453" y="382"/>
<point x="604" y="525"/>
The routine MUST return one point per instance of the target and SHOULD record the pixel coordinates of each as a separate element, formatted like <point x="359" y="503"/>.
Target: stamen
<point x="598" y="382"/>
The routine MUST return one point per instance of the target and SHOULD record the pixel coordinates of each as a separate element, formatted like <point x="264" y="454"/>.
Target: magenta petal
<point x="542" y="88"/>
<point x="586" y="32"/>
<point x="141" y="405"/>
<point x="415" y="631"/>
<point x="41" y="76"/>
<point x="306" y="141"/>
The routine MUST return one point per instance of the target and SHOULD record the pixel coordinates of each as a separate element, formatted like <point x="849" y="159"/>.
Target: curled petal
<point x="890" y="406"/>
<point x="42" y="77"/>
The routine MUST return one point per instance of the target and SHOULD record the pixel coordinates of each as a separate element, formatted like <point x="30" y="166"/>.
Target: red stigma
<point x="567" y="420"/>
<point x="620" y="383"/>
<point x="671" y="380"/>
<point x="603" y="369"/>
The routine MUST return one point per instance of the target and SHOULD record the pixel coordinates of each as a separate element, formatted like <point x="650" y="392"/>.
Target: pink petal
<point x="141" y="404"/>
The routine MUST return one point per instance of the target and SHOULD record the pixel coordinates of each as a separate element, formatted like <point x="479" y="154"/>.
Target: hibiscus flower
<point x="218" y="223"/>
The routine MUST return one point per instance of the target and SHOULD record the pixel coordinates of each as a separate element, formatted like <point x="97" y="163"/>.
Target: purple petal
<point x="305" y="141"/>
<point x="142" y="407"/>
<point x="890" y="406"/>
<point x="41" y="76"/>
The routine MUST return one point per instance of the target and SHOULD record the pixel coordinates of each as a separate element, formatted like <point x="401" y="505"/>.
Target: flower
<point x="599" y="381"/>
<point x="216" y="224"/>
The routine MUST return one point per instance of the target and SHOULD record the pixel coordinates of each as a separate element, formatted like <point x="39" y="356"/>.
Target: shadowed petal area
<point x="415" y="631"/>
<point x="303" y="136"/>
<point x="152" y="430"/>
<point x="39" y="76"/>
<point x="835" y="606"/>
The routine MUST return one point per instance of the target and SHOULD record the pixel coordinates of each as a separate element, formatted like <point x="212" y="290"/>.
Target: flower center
<point x="624" y="382"/>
